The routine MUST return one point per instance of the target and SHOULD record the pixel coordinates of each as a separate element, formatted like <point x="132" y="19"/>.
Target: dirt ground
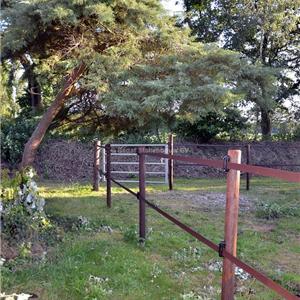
<point x="197" y="200"/>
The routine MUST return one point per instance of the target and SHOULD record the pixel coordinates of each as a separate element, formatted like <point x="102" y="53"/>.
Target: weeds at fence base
<point x="130" y="234"/>
<point x="269" y="210"/>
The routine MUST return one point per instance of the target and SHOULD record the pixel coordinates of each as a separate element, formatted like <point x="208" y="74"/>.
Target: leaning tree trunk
<point x="265" y="124"/>
<point x="39" y="132"/>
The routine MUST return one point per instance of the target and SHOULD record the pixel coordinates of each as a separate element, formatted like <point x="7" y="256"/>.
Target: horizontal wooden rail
<point x="191" y="145"/>
<point x="277" y="165"/>
<point x="219" y="164"/>
<point x="259" y="276"/>
<point x="223" y="164"/>
<point x="257" y="165"/>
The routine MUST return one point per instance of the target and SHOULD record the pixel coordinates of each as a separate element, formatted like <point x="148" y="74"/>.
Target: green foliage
<point x="109" y="36"/>
<point x="9" y="186"/>
<point x="205" y="128"/>
<point x="297" y="133"/>
<point x="269" y="211"/>
<point x="263" y="31"/>
<point x="8" y="107"/>
<point x="286" y="124"/>
<point x="22" y="208"/>
<point x="272" y="210"/>
<point x="142" y="135"/>
<point x="197" y="80"/>
<point x="79" y="30"/>
<point x="24" y="192"/>
<point x="258" y="83"/>
<point x="130" y="234"/>
<point x="102" y="265"/>
<point x="14" y="134"/>
<point x="18" y="225"/>
<point x="202" y="130"/>
<point x="141" y="68"/>
<point x="266" y="32"/>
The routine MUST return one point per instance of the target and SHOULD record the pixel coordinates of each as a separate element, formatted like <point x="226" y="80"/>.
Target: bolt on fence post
<point x="96" y="165"/>
<point x="142" y="195"/>
<point x="108" y="175"/>
<point x="171" y="162"/>
<point x="248" y="162"/>
<point x="231" y="224"/>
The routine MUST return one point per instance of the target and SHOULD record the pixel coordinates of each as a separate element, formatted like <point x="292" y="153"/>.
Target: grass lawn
<point x="98" y="263"/>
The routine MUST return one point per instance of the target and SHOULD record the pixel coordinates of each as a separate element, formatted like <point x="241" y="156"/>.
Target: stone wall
<point x="64" y="160"/>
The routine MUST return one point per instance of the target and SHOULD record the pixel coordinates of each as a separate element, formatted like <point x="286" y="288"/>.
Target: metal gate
<point x="129" y="156"/>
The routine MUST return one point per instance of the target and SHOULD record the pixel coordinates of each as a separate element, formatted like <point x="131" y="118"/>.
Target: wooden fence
<point x="231" y="164"/>
<point x="170" y="146"/>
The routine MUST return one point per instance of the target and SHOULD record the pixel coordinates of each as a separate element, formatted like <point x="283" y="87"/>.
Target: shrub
<point x="227" y="125"/>
<point x="142" y="136"/>
<point x="22" y="209"/>
<point x="22" y="191"/>
<point x="269" y="210"/>
<point x="296" y="136"/>
<point x="14" y="134"/>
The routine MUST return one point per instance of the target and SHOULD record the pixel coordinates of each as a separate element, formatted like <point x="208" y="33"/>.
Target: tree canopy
<point x="124" y="59"/>
<point x="264" y="31"/>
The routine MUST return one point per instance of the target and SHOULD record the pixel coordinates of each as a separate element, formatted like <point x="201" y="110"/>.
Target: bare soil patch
<point x="197" y="200"/>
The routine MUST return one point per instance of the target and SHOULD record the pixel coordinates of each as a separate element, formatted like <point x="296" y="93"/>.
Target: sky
<point x="171" y="5"/>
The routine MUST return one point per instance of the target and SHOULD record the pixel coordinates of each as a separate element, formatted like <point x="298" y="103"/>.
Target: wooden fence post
<point x="96" y="165"/>
<point x="248" y="162"/>
<point x="142" y="195"/>
<point x="171" y="162"/>
<point x="231" y="224"/>
<point x="108" y="175"/>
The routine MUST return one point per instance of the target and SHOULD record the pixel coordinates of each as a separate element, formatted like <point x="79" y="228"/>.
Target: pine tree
<point x="194" y="81"/>
<point x="127" y="57"/>
<point x="77" y="37"/>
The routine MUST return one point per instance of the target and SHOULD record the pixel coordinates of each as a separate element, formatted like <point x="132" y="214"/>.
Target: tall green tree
<point x="197" y="80"/>
<point x="119" y="60"/>
<point x="265" y="31"/>
<point x="76" y="37"/>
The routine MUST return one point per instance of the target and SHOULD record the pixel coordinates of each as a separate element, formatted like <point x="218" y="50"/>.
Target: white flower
<point x="83" y="221"/>
<point x="27" y="195"/>
<point x="29" y="198"/>
<point x="2" y="261"/>
<point x="96" y="279"/>
<point x="20" y="192"/>
<point x="33" y="186"/>
<point x="30" y="173"/>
